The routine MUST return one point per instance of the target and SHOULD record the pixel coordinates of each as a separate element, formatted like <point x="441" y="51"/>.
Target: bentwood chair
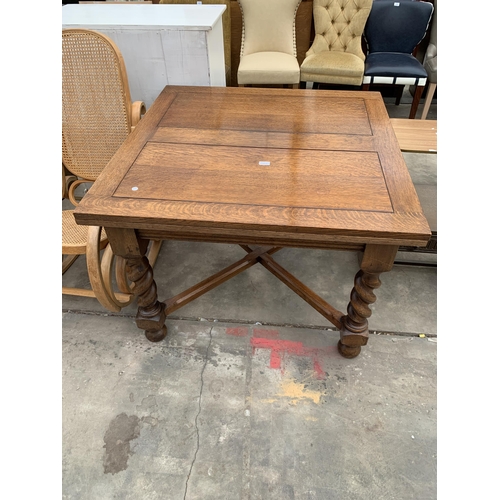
<point x="97" y="117"/>
<point x="392" y="32"/>
<point x="336" y="55"/>
<point x="268" y="53"/>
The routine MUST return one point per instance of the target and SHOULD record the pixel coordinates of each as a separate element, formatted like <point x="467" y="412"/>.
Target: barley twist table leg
<point x="150" y="313"/>
<point x="354" y="332"/>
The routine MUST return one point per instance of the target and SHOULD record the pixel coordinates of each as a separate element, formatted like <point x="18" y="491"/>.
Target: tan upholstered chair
<point x="268" y="52"/>
<point x="336" y="56"/>
<point x="226" y="28"/>
<point x="97" y="116"/>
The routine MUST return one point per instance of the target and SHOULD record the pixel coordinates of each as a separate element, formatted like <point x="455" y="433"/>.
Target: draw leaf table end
<point x="264" y="169"/>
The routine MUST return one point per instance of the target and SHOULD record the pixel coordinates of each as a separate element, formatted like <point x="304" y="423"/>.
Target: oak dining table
<point x="262" y="168"/>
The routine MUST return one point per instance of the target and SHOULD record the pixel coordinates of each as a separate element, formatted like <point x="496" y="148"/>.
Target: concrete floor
<point x="247" y="397"/>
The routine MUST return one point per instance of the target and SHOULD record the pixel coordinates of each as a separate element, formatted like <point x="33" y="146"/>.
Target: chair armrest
<point x="67" y="179"/>
<point x="138" y="109"/>
<point x="71" y="190"/>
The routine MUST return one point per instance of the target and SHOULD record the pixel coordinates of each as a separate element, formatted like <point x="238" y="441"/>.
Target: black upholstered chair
<point x="392" y="32"/>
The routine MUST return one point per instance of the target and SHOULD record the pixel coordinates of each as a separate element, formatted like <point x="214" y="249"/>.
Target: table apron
<point x="278" y="238"/>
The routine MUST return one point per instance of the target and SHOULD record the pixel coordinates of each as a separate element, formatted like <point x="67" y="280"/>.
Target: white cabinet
<point x="161" y="44"/>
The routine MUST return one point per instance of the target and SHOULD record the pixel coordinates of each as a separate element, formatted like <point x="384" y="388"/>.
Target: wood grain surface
<point x="274" y="166"/>
<point x="416" y="136"/>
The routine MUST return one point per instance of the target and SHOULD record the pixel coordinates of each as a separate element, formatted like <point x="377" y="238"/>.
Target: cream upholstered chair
<point x="268" y="52"/>
<point x="97" y="116"/>
<point x="336" y="55"/>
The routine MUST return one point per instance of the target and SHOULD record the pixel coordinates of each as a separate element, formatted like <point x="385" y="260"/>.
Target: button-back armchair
<point x="97" y="117"/>
<point x="336" y="55"/>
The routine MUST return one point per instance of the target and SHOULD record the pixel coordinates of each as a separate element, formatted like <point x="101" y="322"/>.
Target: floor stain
<point x="295" y="392"/>
<point x="122" y="429"/>
<point x="148" y="404"/>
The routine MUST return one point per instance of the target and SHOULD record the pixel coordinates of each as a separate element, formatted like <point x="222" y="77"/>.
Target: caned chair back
<point x="96" y="105"/>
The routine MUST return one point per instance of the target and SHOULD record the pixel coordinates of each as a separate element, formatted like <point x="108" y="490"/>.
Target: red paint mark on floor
<point x="320" y="374"/>
<point x="280" y="348"/>
<point x="237" y="332"/>
<point x="264" y="333"/>
<point x="275" y="359"/>
<point x="263" y="338"/>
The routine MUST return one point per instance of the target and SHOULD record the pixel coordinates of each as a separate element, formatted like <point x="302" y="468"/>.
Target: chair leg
<point x="365" y="86"/>
<point x="428" y="99"/>
<point x="68" y="262"/>
<point x="416" y="99"/>
<point x="100" y="273"/>
<point x="153" y="251"/>
<point x="400" y="89"/>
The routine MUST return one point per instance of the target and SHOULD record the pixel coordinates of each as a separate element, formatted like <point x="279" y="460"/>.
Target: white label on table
<point x="135" y="188"/>
<point x="264" y="163"/>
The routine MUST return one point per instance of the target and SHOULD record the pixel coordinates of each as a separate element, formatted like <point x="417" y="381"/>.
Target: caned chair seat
<point x="75" y="237"/>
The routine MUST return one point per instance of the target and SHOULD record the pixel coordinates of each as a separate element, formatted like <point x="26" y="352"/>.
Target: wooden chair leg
<point x="400" y="90"/>
<point x="153" y="251"/>
<point x="68" y="262"/>
<point x="428" y="99"/>
<point x="365" y="86"/>
<point x="416" y="99"/>
<point x="100" y="273"/>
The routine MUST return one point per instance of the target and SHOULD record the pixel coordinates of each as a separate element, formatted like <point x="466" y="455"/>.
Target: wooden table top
<point x="261" y="165"/>
<point x="416" y="136"/>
